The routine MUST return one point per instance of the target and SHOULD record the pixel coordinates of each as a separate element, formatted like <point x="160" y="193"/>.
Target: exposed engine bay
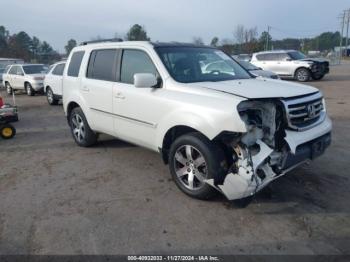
<point x="258" y="156"/>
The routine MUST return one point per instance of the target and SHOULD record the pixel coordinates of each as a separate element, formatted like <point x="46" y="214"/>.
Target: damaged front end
<point x="260" y="155"/>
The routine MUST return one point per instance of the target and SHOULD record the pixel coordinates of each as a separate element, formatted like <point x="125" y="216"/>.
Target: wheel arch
<point x="171" y="135"/>
<point x="46" y="87"/>
<point x="70" y="108"/>
<point x="26" y="82"/>
<point x="301" y="67"/>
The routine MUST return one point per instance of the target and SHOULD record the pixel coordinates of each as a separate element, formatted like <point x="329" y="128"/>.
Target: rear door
<point x="97" y="88"/>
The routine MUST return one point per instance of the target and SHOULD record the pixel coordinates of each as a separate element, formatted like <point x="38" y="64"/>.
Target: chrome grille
<point x="305" y="112"/>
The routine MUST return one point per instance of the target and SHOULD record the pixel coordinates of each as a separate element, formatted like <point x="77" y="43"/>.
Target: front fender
<point x="208" y="123"/>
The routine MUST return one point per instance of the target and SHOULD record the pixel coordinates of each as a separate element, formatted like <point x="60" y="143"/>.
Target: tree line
<point x="244" y="40"/>
<point x="21" y="45"/>
<point x="247" y="40"/>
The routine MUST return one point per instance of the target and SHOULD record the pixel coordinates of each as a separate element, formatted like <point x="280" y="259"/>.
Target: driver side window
<point x="133" y="62"/>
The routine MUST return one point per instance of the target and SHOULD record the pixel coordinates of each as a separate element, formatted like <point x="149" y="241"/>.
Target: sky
<point x="56" y="21"/>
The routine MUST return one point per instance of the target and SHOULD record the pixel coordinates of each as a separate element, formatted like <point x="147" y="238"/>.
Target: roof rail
<point x="102" y="41"/>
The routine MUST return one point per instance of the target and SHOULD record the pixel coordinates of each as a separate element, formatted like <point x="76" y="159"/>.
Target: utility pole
<point x="347" y="30"/>
<point x="341" y="36"/>
<point x="267" y="38"/>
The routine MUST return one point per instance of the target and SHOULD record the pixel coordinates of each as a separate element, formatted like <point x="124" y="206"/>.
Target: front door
<point x="137" y="110"/>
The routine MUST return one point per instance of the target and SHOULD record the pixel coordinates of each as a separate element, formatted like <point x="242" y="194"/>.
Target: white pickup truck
<point x="221" y="130"/>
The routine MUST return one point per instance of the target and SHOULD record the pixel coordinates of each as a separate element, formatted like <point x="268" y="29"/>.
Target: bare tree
<point x="239" y="34"/>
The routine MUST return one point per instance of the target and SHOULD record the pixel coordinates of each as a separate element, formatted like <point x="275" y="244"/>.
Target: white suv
<point x="218" y="131"/>
<point x="53" y="83"/>
<point x="27" y="77"/>
<point x="291" y="64"/>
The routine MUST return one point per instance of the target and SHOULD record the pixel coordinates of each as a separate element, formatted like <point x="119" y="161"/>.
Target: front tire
<point x="81" y="131"/>
<point x="302" y="75"/>
<point x="50" y="97"/>
<point x="29" y="89"/>
<point x="193" y="158"/>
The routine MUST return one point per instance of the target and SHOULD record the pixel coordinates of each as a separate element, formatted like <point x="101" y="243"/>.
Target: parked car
<point x="53" y="83"/>
<point x="257" y="71"/>
<point x="4" y="62"/>
<point x="291" y="64"/>
<point x="27" y="77"/>
<point x="223" y="132"/>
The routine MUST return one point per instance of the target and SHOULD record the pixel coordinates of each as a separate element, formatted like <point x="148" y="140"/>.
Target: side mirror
<point x="288" y="59"/>
<point x="145" y="80"/>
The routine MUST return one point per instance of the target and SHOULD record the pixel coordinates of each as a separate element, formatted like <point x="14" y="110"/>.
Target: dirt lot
<point x="116" y="198"/>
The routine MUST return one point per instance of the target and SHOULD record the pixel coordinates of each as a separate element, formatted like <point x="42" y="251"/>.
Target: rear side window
<point x="58" y="70"/>
<point x="133" y="62"/>
<point x="268" y="57"/>
<point x="75" y="62"/>
<point x="102" y="65"/>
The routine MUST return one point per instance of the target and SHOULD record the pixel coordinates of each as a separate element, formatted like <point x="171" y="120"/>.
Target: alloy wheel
<point x="302" y="75"/>
<point x="78" y="127"/>
<point x="50" y="96"/>
<point x="190" y="167"/>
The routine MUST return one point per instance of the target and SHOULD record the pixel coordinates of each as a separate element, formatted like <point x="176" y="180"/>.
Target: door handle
<point x="119" y="95"/>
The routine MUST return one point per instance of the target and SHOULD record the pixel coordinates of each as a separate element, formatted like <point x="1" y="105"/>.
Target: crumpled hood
<point x="318" y="60"/>
<point x="258" y="88"/>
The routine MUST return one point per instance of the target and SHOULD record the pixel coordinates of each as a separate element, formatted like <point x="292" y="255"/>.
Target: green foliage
<point x="214" y="42"/>
<point x="70" y="45"/>
<point x="137" y="33"/>
<point x="21" y="45"/>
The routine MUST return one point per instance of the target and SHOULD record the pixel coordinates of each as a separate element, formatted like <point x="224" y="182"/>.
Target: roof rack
<point x="102" y="41"/>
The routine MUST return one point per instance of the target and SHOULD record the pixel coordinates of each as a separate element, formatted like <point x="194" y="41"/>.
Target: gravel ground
<point x="116" y="198"/>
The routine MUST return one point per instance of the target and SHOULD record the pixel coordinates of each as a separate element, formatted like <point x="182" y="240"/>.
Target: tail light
<point x="1" y="102"/>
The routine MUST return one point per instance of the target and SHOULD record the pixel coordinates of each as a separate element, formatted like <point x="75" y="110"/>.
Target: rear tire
<point x="194" y="158"/>
<point x="50" y="97"/>
<point x="7" y="131"/>
<point x="302" y="75"/>
<point x="29" y="90"/>
<point x="9" y="89"/>
<point x="81" y="131"/>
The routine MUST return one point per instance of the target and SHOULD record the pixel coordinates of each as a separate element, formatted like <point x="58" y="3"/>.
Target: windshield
<point x="248" y="66"/>
<point x="296" y="55"/>
<point x="200" y="64"/>
<point x="34" y="69"/>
